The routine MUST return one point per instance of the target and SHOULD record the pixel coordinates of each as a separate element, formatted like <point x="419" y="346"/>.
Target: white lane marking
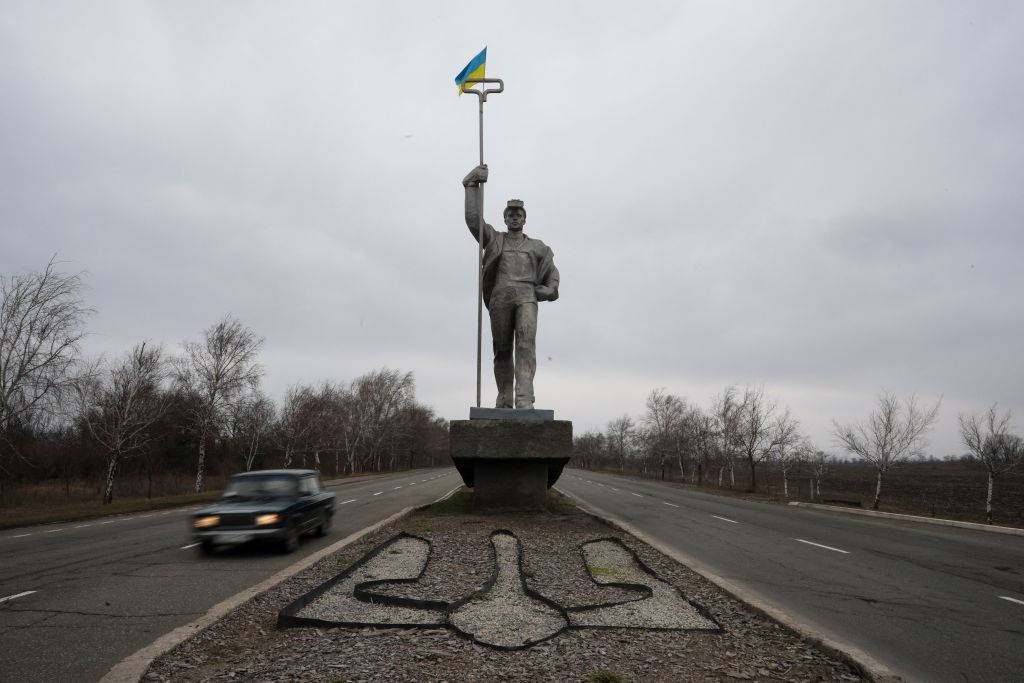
<point x="186" y="547"/>
<point x="378" y="493"/>
<point x="109" y="521"/>
<point x="412" y="483"/>
<point x="144" y="516"/>
<point x="21" y="536"/>
<point x="52" y="531"/>
<point x="396" y="488"/>
<point x="82" y="526"/>
<point x="673" y="505"/>
<point x="167" y="513"/>
<point x="1005" y="597"/>
<point x="17" y="595"/>
<point x="826" y="547"/>
<point x="725" y="519"/>
<point x="600" y="484"/>
<point x="636" y="494"/>
<point x="614" y="489"/>
<point x="424" y="481"/>
<point x="346" y="502"/>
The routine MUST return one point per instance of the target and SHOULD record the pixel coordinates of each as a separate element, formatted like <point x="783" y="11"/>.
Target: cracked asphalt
<point x="76" y="598"/>
<point x="932" y="603"/>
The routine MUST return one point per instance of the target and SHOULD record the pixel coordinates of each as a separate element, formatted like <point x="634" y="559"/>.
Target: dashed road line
<point x="82" y="526"/>
<point x="346" y="502"/>
<point x="17" y="595"/>
<point x="1006" y="597"/>
<point x="636" y="494"/>
<point x="412" y="483"/>
<point x="826" y="547"/>
<point x="614" y="489"/>
<point x="378" y="493"/>
<point x="725" y="519"/>
<point x="396" y="488"/>
<point x="191" y="545"/>
<point x="670" y="504"/>
<point x="52" y="531"/>
<point x="109" y="521"/>
<point x="20" y="536"/>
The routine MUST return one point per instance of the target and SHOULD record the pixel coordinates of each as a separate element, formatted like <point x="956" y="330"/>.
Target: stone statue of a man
<point x="518" y="272"/>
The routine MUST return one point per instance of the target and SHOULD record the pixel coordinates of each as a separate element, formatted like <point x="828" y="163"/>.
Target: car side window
<point x="307" y="486"/>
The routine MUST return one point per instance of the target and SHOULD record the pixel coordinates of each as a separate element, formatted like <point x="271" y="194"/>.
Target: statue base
<point x="510" y="459"/>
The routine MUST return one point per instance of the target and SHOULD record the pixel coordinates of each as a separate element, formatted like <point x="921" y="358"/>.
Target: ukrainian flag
<point x="475" y="69"/>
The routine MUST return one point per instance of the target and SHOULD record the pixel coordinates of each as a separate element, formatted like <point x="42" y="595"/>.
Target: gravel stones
<point x="504" y="615"/>
<point x="608" y="561"/>
<point x="245" y="645"/>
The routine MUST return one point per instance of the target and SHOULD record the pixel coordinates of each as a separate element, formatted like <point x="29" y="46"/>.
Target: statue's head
<point x="515" y="215"/>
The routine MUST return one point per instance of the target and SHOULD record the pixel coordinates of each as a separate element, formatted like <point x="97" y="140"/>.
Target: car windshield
<point x="259" y="487"/>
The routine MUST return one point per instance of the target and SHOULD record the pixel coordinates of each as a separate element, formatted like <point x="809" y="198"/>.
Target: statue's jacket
<point x="543" y="261"/>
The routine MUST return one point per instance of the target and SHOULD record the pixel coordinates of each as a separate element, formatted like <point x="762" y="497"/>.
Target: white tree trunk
<point x="721" y="473"/>
<point x="287" y="456"/>
<point x="988" y="500"/>
<point x="878" y="491"/>
<point x="201" y="465"/>
<point x="108" y="486"/>
<point x="785" y="484"/>
<point x="732" y="476"/>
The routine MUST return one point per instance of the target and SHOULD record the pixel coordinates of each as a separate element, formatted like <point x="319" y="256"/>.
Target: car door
<point x="308" y="508"/>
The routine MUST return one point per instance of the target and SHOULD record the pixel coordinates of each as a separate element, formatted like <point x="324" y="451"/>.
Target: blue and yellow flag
<point x="475" y="69"/>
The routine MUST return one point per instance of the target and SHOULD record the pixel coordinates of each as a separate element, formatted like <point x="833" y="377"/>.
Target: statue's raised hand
<point x="476" y="176"/>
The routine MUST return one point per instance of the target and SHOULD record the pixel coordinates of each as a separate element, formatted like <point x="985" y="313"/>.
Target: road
<point x="932" y="603"/>
<point x="76" y="598"/>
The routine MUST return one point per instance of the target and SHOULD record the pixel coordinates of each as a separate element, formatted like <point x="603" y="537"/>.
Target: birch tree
<point x="892" y="434"/>
<point x="218" y="370"/>
<point x="821" y="464"/>
<point x="727" y="412"/>
<point x="293" y="423"/>
<point x="121" y="406"/>
<point x="663" y="428"/>
<point x="42" y="325"/>
<point x="989" y="440"/>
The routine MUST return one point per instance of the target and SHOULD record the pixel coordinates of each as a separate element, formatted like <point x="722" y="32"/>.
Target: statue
<point x="518" y="272"/>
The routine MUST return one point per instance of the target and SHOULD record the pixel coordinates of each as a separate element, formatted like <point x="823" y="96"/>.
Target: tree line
<point x="748" y="428"/>
<point x="64" y="414"/>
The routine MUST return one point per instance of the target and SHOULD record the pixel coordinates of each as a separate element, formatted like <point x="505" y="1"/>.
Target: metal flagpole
<point x="482" y="95"/>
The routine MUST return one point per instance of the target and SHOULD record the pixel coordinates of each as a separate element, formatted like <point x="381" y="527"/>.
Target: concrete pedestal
<point x="510" y="463"/>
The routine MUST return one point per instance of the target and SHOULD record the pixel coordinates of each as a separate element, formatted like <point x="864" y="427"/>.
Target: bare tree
<point x="251" y="419"/>
<point x="620" y="435"/>
<point x="702" y="433"/>
<point x="757" y="429"/>
<point x="892" y="434"/>
<point x="587" y="449"/>
<point x="728" y="413"/>
<point x="821" y="464"/>
<point x="42" y="318"/>
<point x="217" y="371"/>
<point x="120" y="407"/>
<point x="663" y="431"/>
<point x="788" y="447"/>
<point x="293" y="424"/>
<point x="989" y="440"/>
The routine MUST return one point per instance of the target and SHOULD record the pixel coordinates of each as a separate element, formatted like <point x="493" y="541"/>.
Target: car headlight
<point x="203" y="522"/>
<point x="263" y="520"/>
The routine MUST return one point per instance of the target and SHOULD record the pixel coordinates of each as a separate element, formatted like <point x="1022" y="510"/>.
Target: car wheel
<point x="206" y="547"/>
<point x="291" y="539"/>
<point x="325" y="525"/>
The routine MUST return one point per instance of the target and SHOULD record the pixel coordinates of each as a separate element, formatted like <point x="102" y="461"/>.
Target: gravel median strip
<point x="246" y="645"/>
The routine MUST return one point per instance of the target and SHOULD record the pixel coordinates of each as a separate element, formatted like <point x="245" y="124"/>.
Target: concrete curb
<point x="868" y="665"/>
<point x="133" y="667"/>
<point x="914" y="518"/>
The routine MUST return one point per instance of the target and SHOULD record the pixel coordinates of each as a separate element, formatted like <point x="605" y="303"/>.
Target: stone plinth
<point x="510" y="463"/>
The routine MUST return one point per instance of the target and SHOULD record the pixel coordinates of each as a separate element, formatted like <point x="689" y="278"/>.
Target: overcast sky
<point x="825" y="198"/>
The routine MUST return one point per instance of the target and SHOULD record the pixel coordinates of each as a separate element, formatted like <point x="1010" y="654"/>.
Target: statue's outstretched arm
<point x="472" y="183"/>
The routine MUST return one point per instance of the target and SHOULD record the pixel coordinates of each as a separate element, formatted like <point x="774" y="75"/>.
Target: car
<point x="277" y="506"/>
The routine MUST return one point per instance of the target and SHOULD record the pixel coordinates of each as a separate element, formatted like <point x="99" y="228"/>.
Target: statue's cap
<point x="515" y="204"/>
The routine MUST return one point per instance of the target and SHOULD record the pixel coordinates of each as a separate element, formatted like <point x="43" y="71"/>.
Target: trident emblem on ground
<point x="507" y="612"/>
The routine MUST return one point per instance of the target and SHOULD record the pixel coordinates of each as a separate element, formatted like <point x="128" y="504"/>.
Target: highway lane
<point x="78" y="597"/>
<point x="932" y="603"/>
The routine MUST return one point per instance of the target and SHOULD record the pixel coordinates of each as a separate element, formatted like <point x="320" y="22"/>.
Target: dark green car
<point x="278" y="506"/>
